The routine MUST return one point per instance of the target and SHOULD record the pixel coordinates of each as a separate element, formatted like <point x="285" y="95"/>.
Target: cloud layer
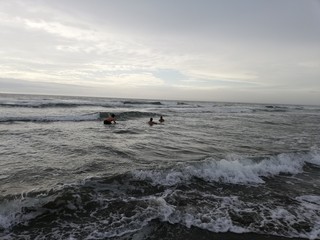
<point x="251" y="51"/>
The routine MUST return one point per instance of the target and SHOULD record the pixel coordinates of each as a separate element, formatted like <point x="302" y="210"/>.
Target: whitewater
<point x="212" y="170"/>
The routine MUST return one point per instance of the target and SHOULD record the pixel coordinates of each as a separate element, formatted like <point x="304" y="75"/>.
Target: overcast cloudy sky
<point x="218" y="50"/>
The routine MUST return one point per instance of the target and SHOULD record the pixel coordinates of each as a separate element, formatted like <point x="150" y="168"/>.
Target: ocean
<point x="212" y="170"/>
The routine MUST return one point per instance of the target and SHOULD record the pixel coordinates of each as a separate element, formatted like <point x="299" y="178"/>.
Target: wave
<point x="233" y="170"/>
<point x="44" y="105"/>
<point x="271" y="108"/>
<point x="53" y="104"/>
<point x="40" y="119"/>
<point x="96" y="116"/>
<point x="128" y="205"/>
<point x="142" y="102"/>
<point x="280" y="108"/>
<point x="73" y="103"/>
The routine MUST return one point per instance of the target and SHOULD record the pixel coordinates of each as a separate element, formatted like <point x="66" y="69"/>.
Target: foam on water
<point x="234" y="169"/>
<point x="314" y="156"/>
<point x="117" y="214"/>
<point x="311" y="204"/>
<point x="13" y="211"/>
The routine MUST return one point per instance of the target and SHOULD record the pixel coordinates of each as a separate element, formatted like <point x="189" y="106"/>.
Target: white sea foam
<point x="215" y="216"/>
<point x="311" y="206"/>
<point x="118" y="224"/>
<point x="213" y="213"/>
<point x="314" y="156"/>
<point x="11" y="211"/>
<point x="233" y="169"/>
<point x="157" y="207"/>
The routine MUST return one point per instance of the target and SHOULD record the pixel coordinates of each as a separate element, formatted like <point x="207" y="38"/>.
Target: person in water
<point x="161" y="120"/>
<point x="151" y="122"/>
<point x="110" y="119"/>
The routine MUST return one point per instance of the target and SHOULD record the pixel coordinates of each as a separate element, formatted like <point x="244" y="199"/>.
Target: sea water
<point x="212" y="170"/>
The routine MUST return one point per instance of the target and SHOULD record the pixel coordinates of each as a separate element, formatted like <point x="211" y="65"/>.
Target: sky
<point x="260" y="51"/>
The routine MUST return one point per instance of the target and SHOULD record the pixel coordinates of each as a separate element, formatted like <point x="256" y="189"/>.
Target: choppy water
<point x="225" y="170"/>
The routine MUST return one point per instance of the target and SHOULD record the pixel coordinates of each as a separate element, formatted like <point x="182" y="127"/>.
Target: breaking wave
<point x="127" y="204"/>
<point x="97" y="116"/>
<point x="234" y="169"/>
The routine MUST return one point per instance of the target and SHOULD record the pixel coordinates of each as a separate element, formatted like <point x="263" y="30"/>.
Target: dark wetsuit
<point x="106" y="122"/>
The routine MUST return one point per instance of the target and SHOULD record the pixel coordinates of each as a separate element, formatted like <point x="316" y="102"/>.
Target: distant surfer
<point x="151" y="122"/>
<point x="161" y="120"/>
<point x="110" y="119"/>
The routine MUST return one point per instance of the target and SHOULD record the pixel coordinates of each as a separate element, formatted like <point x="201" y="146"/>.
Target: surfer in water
<point x="110" y="119"/>
<point x="151" y="122"/>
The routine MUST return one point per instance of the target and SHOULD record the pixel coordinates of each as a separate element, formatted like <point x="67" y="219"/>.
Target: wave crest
<point x="234" y="169"/>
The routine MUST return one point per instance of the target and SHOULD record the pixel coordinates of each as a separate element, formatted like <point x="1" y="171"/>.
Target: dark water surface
<point x="210" y="171"/>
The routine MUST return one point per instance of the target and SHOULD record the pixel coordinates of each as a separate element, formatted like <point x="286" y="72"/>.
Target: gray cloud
<point x="250" y="50"/>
